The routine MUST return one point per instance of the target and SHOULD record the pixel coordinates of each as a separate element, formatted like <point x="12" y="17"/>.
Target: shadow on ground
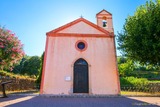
<point x="43" y="101"/>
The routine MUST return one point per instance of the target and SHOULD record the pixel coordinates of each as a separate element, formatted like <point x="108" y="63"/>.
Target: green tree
<point x="140" y="39"/>
<point x="40" y="71"/>
<point x="31" y="66"/>
<point x="18" y="68"/>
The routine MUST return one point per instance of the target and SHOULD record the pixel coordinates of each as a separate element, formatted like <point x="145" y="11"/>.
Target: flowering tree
<point x="11" y="49"/>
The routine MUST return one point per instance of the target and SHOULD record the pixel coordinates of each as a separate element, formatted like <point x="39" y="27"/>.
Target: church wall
<point x="60" y="58"/>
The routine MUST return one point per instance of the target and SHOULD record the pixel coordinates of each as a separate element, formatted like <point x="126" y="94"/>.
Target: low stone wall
<point x="17" y="83"/>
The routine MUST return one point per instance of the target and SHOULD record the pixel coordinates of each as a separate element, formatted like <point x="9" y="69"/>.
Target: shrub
<point x="133" y="82"/>
<point x="150" y="75"/>
<point x="139" y="85"/>
<point x="125" y="66"/>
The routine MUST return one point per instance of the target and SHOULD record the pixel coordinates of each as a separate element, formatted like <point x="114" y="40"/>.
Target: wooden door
<point x="80" y="81"/>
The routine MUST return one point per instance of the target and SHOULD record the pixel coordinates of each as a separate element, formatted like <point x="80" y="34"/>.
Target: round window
<point x="81" y="45"/>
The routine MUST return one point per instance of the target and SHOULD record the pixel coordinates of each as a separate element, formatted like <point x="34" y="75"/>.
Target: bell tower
<point x="104" y="20"/>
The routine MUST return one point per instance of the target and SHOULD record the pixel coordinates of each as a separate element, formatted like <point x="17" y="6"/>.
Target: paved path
<point x="41" y="101"/>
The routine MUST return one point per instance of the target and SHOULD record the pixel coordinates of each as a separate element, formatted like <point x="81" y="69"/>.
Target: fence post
<point x="3" y="90"/>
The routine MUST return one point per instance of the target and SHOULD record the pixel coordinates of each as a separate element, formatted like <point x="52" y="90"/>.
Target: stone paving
<point x="50" y="101"/>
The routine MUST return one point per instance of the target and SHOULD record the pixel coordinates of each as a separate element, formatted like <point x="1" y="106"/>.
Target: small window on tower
<point x="104" y="21"/>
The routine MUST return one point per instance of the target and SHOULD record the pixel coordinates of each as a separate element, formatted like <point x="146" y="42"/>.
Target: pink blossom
<point x="8" y="38"/>
<point x="1" y="39"/>
<point x="13" y="48"/>
<point x="9" y="31"/>
<point x="13" y="34"/>
<point x="1" y="46"/>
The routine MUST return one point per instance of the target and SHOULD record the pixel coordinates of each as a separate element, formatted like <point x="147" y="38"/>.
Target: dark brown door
<point x="80" y="82"/>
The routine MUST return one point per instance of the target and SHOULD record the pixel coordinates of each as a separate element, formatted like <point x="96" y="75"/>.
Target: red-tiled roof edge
<point x="64" y="26"/>
<point x="103" y="10"/>
<point x="76" y="21"/>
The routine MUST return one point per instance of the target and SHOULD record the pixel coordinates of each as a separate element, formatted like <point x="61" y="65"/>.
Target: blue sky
<point x="31" y="19"/>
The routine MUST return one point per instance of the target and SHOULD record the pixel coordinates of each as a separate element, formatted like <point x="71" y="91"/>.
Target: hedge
<point x="139" y="84"/>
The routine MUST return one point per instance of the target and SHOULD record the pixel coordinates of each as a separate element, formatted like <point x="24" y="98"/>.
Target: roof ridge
<point x="76" y="21"/>
<point x="105" y="11"/>
<point x="63" y="26"/>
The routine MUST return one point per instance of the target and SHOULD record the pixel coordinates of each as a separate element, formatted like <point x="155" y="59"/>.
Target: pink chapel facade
<point x="80" y="57"/>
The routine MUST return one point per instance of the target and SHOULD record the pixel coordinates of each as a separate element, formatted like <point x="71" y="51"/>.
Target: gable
<point x="104" y="12"/>
<point x="81" y="28"/>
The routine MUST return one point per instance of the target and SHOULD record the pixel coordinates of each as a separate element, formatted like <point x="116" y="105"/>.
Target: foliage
<point x="133" y="81"/>
<point x="128" y="67"/>
<point x="153" y="81"/>
<point x="139" y="85"/>
<point x="140" y="38"/>
<point x="12" y="75"/>
<point x="150" y="75"/>
<point x="28" y="65"/>
<point x="11" y="49"/>
<point x="31" y="66"/>
<point x="125" y="66"/>
<point x="18" y="68"/>
<point x="40" y="70"/>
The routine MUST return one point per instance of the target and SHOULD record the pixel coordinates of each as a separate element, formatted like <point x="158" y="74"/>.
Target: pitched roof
<point x="77" y="21"/>
<point x="102" y="11"/>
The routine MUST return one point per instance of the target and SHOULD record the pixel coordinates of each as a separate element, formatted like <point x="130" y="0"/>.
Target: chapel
<point x="80" y="57"/>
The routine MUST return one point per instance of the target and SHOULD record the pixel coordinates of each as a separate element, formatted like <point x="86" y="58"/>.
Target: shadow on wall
<point x="43" y="101"/>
